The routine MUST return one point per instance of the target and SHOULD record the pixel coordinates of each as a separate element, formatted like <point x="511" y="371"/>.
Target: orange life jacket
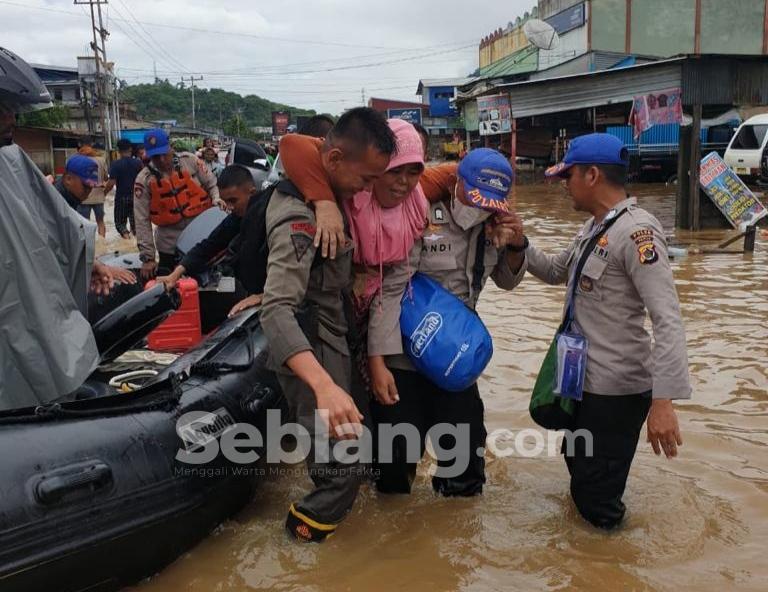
<point x="175" y="198"/>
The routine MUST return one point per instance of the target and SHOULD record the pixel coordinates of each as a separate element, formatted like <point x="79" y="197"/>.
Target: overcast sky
<point x="304" y="53"/>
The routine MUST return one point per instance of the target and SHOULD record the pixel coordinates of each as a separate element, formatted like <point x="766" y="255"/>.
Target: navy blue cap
<point x="487" y="177"/>
<point x="592" y="149"/>
<point x="85" y="168"/>
<point x="156" y="142"/>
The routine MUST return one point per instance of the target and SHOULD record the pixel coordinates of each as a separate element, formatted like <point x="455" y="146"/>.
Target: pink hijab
<point x="386" y="235"/>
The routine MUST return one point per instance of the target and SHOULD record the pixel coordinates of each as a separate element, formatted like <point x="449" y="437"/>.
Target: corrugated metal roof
<point x="577" y="65"/>
<point x="601" y="73"/>
<point x="570" y="93"/>
<point x="593" y="61"/>
<point x="72" y="69"/>
<point x="709" y="80"/>
<point x="519" y="62"/>
<point x="604" y="61"/>
<point x="726" y="80"/>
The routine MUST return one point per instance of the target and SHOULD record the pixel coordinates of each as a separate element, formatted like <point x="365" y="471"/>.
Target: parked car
<point x="745" y="152"/>
<point x="251" y="155"/>
<point x="763" y="180"/>
<point x="525" y="164"/>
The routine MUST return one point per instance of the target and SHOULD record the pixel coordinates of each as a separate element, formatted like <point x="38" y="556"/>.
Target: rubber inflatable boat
<point x="92" y="496"/>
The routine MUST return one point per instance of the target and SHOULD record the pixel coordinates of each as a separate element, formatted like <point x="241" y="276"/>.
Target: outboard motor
<point x="130" y="323"/>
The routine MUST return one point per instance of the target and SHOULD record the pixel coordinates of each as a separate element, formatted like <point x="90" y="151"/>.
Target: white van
<point x="745" y="151"/>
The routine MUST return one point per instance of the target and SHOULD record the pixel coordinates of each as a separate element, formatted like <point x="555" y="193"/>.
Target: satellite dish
<point x="541" y="34"/>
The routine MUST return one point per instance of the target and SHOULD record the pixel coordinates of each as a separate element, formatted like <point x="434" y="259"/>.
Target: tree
<point x="237" y="127"/>
<point x="215" y="108"/>
<point x="55" y="116"/>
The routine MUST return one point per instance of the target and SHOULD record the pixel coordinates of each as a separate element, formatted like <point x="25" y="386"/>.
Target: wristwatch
<point x="521" y="248"/>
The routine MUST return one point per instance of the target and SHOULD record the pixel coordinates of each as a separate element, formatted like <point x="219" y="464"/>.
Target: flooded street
<point x="699" y="522"/>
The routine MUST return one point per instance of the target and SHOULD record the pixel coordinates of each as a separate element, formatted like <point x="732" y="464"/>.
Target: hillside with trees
<point x="215" y="108"/>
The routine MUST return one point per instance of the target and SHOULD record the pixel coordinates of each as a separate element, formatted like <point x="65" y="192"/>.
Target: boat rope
<point x="167" y="400"/>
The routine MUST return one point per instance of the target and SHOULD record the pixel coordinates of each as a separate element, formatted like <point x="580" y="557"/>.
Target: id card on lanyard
<point x="572" y="346"/>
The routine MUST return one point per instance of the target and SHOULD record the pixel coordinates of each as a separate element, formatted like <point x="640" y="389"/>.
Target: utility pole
<point x="99" y="52"/>
<point x="192" y="80"/>
<point x="118" y="119"/>
<point x="362" y="92"/>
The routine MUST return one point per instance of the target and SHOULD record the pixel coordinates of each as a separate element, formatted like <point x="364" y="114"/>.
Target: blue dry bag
<point x="445" y="340"/>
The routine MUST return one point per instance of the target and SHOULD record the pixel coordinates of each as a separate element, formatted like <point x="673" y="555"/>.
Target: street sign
<point x="409" y="115"/>
<point x="280" y="121"/>
<point x="729" y="193"/>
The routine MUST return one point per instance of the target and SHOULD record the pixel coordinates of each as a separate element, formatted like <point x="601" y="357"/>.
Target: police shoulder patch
<point x="644" y="235"/>
<point x="138" y="189"/>
<point x="647" y="253"/>
<point x="646" y="249"/>
<point x="303" y="227"/>
<point x="302" y="234"/>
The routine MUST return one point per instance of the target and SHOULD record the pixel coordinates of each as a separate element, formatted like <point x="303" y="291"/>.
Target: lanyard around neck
<point x="602" y="228"/>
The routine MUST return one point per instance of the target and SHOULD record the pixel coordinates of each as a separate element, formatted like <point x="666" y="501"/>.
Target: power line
<point x="192" y="80"/>
<point x="224" y="75"/>
<point x="149" y="38"/>
<point x="218" y="32"/>
<point x="320" y="92"/>
<point x="128" y="36"/>
<point x="265" y="73"/>
<point x="277" y="68"/>
<point x="100" y="62"/>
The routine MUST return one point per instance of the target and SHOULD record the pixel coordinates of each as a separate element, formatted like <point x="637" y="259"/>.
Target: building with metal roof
<point x="547" y="112"/>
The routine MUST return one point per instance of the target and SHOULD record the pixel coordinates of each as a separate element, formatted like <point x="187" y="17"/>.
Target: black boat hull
<point x="93" y="496"/>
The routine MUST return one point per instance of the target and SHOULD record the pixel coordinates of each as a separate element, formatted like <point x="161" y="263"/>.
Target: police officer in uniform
<point x="313" y="361"/>
<point x="458" y="251"/>
<point x="169" y="192"/>
<point x="238" y="238"/>
<point x="627" y="275"/>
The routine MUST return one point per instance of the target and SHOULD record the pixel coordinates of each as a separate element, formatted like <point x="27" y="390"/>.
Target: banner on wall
<point x="655" y="109"/>
<point x="409" y="115"/>
<point x="494" y="115"/>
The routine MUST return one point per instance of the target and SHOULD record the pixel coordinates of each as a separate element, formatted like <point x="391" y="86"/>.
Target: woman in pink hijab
<point x="385" y="224"/>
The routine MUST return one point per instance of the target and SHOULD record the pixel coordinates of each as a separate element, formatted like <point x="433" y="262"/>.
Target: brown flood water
<point x="697" y="522"/>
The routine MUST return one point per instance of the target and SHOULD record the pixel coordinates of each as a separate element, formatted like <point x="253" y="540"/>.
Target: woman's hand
<point x="507" y="229"/>
<point x="330" y="228"/>
<point x="382" y="381"/>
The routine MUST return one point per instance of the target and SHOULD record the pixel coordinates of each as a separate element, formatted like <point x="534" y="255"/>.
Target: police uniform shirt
<point x="292" y="279"/>
<point x="447" y="253"/>
<point x="627" y="273"/>
<point x="165" y="237"/>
